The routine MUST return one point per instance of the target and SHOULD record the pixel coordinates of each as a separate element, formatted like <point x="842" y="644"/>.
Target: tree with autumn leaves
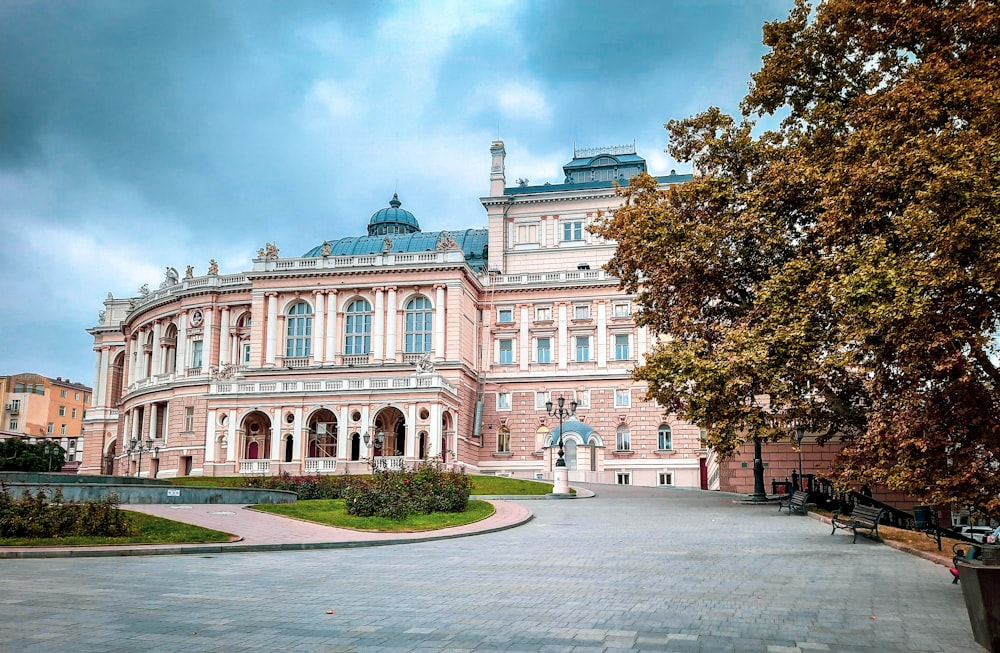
<point x="841" y="271"/>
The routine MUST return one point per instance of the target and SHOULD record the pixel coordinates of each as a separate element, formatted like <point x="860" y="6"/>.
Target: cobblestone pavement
<point x="633" y="569"/>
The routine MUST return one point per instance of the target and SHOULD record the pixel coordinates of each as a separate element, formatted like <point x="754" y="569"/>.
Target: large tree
<point x="841" y="271"/>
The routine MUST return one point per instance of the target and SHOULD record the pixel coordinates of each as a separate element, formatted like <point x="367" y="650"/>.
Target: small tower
<point x="497" y="179"/>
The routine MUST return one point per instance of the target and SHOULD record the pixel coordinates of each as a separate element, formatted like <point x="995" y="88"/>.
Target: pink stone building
<point x="398" y="346"/>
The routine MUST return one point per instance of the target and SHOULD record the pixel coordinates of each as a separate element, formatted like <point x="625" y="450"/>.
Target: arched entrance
<point x="390" y="424"/>
<point x="447" y="431"/>
<point x="255" y="452"/>
<point x="321" y="446"/>
<point x="108" y="461"/>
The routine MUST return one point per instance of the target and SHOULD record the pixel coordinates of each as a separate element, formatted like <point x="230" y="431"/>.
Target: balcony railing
<point x="255" y="466"/>
<point x="351" y="383"/>
<point x="383" y="463"/>
<point x="321" y="465"/>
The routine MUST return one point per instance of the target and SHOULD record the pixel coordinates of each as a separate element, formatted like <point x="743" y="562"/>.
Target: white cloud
<point x="524" y="102"/>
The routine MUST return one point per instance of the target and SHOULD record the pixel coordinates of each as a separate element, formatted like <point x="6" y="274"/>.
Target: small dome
<point x="392" y="220"/>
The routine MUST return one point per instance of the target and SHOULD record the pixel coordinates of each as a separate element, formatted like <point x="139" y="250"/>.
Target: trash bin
<point x="922" y="518"/>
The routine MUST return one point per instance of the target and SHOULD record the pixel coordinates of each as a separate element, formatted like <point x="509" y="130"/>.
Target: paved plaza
<point x="632" y="569"/>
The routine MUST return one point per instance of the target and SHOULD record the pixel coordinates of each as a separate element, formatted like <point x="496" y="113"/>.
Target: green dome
<point x="392" y="220"/>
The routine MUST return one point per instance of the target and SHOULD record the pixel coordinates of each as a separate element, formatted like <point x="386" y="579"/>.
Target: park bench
<point x="796" y="502"/>
<point x="864" y="518"/>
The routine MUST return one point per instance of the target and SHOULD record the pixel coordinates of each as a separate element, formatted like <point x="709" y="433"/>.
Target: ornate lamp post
<point x="137" y="446"/>
<point x="561" y="474"/>
<point x="800" y="433"/>
<point x="379" y="439"/>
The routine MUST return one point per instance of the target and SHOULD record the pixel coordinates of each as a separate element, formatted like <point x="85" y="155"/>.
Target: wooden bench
<point x="864" y="518"/>
<point x="796" y="502"/>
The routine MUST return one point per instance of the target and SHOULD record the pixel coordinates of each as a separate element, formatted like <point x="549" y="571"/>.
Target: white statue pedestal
<point x="561" y="485"/>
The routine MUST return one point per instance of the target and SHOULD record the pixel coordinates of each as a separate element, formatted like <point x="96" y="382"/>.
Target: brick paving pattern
<point x="632" y="569"/>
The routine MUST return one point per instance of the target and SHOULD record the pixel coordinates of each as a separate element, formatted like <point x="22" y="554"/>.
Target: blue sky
<point x="136" y="135"/>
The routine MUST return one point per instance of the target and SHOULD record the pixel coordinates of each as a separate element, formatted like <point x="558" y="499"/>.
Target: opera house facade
<point x="398" y="346"/>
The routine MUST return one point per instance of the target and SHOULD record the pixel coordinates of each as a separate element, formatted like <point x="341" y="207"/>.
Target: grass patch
<point x="150" y="529"/>
<point x="332" y="512"/>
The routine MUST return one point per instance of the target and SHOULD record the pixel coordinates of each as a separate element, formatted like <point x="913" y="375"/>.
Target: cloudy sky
<point x="137" y="134"/>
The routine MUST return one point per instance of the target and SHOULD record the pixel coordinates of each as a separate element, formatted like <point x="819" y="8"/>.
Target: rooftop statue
<point x="189" y="273"/>
<point x="171" y="278"/>
<point x="213" y="267"/>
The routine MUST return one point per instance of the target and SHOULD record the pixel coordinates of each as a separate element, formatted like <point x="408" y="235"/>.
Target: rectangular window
<point x="581" y="312"/>
<point x="189" y="418"/>
<point x="623" y="478"/>
<point x="86" y="398"/>
<point x="74" y="413"/>
<point x="623" y="398"/>
<point x="77" y="396"/>
<point x="506" y="351"/>
<point x="72" y="445"/>
<point x="505" y="315"/>
<point x="666" y="478"/>
<point x="15" y="405"/>
<point x="582" y="398"/>
<point x="621" y="348"/>
<point x="664" y="438"/>
<point x="62" y="411"/>
<point x="582" y="348"/>
<point x="246" y="353"/>
<point x="503" y="440"/>
<point x="540" y="399"/>
<point x="50" y="428"/>
<point x="573" y="230"/>
<point x="62" y="429"/>
<point x="503" y="401"/>
<point x="196" y="347"/>
<point x="13" y="424"/>
<point x="527" y="233"/>
<point x="621" y="310"/>
<point x="543" y="350"/>
<point x="62" y="394"/>
<point x="623" y="439"/>
<point x="543" y="314"/>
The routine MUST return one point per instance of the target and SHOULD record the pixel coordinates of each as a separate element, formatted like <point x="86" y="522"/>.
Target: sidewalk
<point x="259" y="531"/>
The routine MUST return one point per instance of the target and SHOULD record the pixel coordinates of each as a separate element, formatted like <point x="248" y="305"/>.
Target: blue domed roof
<point x="392" y="220"/>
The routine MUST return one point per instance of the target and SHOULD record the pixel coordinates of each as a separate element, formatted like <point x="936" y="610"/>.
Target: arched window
<point x="503" y="440"/>
<point x="358" y="330"/>
<point x="298" y="331"/>
<point x="664" y="437"/>
<point x="419" y="325"/>
<point x="623" y="440"/>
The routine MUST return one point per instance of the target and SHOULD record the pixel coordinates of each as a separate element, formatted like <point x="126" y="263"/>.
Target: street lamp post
<point x="156" y="457"/>
<point x="561" y="474"/>
<point x="800" y="433"/>
<point x="379" y="439"/>
<point x="136" y="446"/>
<point x="759" y="495"/>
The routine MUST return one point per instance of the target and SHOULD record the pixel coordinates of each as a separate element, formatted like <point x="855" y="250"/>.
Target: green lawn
<point x="481" y="485"/>
<point x="151" y="530"/>
<point x="333" y="513"/>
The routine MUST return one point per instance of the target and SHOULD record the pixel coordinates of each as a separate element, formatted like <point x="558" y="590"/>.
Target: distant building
<point x="37" y="407"/>
<point x="396" y="346"/>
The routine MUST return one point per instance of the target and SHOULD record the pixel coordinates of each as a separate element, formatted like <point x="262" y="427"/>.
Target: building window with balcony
<point x="582" y="348"/>
<point x="623" y="398"/>
<point x="664" y="438"/>
<point x="419" y="325"/>
<point x="623" y="439"/>
<point x="503" y="440"/>
<point x="506" y="351"/>
<point x="189" y="418"/>
<point x="358" y="328"/>
<point x="621" y="348"/>
<point x="505" y="315"/>
<point x="543" y="350"/>
<point x="298" y="331"/>
<point x="503" y="401"/>
<point x="572" y="230"/>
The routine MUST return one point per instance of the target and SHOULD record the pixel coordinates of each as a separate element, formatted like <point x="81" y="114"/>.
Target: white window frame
<point x="577" y="350"/>
<point x="197" y="352"/>
<point x="572" y="230"/>
<point x="582" y="398"/>
<point x="669" y="479"/>
<point x="12" y="424"/>
<point x="505" y="346"/>
<point x="503" y="440"/>
<point x="621" y="310"/>
<point x="505" y="315"/>
<point x="623" y="398"/>
<point x="548" y="350"/>
<point x="581" y="312"/>
<point x="623" y="438"/>
<point x="659" y="437"/>
<point x="623" y="478"/>
<point x="541" y="398"/>
<point x="543" y="314"/>
<point x="189" y="419"/>
<point x="505" y="401"/>
<point x="62" y="411"/>
<point x="628" y="347"/>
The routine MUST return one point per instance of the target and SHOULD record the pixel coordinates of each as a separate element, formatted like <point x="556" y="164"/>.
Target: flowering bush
<point x="36" y="516"/>
<point x="396" y="494"/>
<point x="307" y="487"/>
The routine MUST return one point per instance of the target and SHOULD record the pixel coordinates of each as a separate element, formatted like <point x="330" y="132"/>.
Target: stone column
<point x="156" y="366"/>
<point x="225" y="348"/>
<point x="209" y="340"/>
<point x="602" y="334"/>
<point x="332" y="328"/>
<point x="154" y="413"/>
<point x="97" y="397"/>
<point x="439" y="317"/>
<point x="434" y="432"/>
<point x="562" y="340"/>
<point x="524" y="340"/>
<point x="271" y="331"/>
<point x="275" y="453"/>
<point x="343" y="434"/>
<point x="411" y="431"/>
<point x="231" y="444"/>
<point x="392" y="318"/>
<point x="318" y="333"/>
<point x="378" y="326"/>
<point x="182" y="344"/>
<point x="298" y="446"/>
<point x="210" y="438"/>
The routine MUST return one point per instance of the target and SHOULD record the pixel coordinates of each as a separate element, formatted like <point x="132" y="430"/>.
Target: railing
<point x="255" y="466"/>
<point x="359" y="383"/>
<point x="297" y="363"/>
<point x="388" y="259"/>
<point x="383" y="463"/>
<point x="321" y="465"/>
<point x="355" y="359"/>
<point x="548" y="278"/>
<point x="193" y="284"/>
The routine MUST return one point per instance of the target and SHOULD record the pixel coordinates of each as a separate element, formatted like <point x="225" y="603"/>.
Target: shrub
<point x="307" y="487"/>
<point x="36" y="516"/>
<point x="397" y="494"/>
